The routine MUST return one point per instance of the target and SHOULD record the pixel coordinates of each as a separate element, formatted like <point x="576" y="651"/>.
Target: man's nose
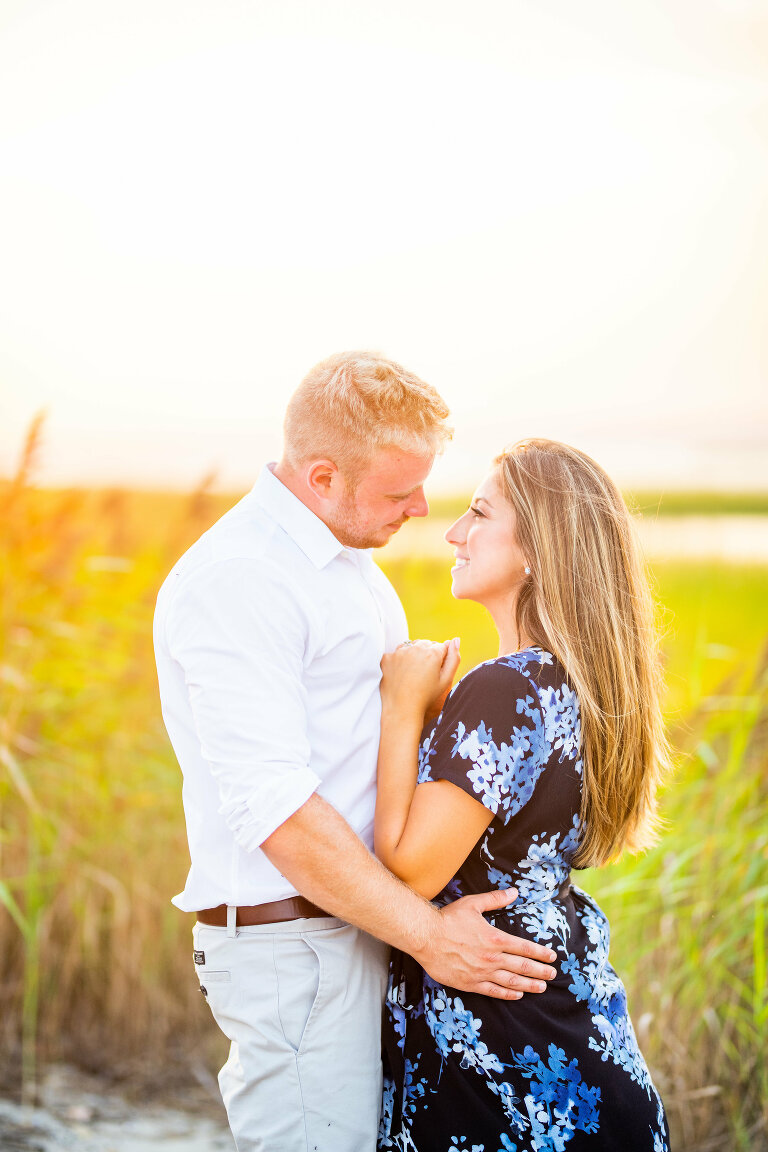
<point x="418" y="505"/>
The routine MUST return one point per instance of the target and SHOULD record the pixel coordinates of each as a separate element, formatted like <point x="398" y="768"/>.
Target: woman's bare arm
<point x="423" y="832"/>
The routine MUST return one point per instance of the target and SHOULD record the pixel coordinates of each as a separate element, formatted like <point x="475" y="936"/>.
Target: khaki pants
<point x="300" y="1002"/>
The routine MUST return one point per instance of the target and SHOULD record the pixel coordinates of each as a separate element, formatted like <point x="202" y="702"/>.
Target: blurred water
<point x="732" y="538"/>
<point x="736" y="538"/>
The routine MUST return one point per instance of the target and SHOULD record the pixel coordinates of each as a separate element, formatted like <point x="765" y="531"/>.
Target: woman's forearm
<point x="398" y="769"/>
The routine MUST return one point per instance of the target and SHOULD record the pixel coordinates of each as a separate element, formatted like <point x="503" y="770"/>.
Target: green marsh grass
<point x="95" y="964"/>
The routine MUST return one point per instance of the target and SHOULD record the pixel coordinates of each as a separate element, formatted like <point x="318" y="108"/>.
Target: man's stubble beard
<point x="350" y="532"/>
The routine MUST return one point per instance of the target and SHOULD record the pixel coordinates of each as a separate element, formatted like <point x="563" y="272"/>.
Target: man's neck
<point x="294" y="483"/>
<point x="290" y="480"/>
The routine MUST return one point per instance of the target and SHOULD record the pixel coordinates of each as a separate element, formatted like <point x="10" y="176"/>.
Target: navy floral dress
<point x="559" y="1071"/>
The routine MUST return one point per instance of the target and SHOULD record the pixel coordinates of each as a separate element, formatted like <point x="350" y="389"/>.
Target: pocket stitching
<point x="311" y="1013"/>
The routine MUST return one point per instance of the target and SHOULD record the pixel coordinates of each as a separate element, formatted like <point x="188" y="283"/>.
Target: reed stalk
<point x="95" y="965"/>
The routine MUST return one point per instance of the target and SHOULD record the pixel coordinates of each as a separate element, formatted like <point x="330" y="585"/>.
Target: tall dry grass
<point x="95" y="964"/>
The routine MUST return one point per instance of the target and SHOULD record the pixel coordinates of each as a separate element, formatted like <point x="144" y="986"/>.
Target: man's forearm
<point x="323" y="858"/>
<point x="328" y="863"/>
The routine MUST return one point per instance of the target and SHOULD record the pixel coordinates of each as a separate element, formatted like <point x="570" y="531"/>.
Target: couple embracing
<point x="362" y="833"/>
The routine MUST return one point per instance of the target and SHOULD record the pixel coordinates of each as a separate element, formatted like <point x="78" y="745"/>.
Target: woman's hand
<point x="418" y="676"/>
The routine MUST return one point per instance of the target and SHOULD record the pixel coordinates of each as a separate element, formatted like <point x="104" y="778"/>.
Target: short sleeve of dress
<point x="490" y="739"/>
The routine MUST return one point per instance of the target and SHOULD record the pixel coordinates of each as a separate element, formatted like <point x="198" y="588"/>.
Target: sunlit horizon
<point x="556" y="216"/>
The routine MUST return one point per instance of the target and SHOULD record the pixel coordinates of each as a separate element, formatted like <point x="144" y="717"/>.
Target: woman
<point x="545" y="758"/>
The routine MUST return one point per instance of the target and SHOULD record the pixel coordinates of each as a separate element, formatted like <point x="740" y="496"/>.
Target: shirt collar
<point x="315" y="538"/>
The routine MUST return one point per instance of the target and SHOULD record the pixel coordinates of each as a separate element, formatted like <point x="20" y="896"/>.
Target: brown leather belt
<point x="294" y="908"/>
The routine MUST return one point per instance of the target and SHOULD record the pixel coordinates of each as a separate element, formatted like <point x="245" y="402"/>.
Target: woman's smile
<point x="486" y="535"/>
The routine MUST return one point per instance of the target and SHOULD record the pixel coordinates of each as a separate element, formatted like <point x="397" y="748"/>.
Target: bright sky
<point x="555" y="212"/>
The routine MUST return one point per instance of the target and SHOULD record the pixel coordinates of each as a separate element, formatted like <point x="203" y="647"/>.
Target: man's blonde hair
<point x="588" y="601"/>
<point x="354" y="403"/>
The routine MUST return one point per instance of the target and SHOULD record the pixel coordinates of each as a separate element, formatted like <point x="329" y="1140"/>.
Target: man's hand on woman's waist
<point x="464" y="951"/>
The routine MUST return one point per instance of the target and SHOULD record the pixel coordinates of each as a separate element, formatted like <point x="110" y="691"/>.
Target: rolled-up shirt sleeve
<point x="242" y="636"/>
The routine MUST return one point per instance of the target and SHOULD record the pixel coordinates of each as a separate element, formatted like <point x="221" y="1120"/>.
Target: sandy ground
<point x="78" y="1114"/>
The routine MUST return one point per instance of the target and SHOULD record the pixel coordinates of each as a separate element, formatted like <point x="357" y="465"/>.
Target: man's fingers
<point x="498" y="991"/>
<point x="519" y="968"/>
<point x="504" y="941"/>
<point x="495" y="898"/>
<point x="520" y="983"/>
<point x="532" y="955"/>
<point x="519" y="946"/>
<point x="526" y="970"/>
<point x="495" y="963"/>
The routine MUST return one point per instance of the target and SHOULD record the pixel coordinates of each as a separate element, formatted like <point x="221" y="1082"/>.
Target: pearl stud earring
<point x="527" y="570"/>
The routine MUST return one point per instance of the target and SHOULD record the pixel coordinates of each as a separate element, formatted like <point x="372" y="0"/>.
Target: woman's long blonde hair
<point x="587" y="600"/>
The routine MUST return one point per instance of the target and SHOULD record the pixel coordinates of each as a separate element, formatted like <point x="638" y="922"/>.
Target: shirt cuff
<point x="252" y="820"/>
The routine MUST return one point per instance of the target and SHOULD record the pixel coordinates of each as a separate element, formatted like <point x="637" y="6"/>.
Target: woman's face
<point x="490" y="566"/>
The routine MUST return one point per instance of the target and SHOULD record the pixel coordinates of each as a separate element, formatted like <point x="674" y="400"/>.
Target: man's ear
<point x="324" y="479"/>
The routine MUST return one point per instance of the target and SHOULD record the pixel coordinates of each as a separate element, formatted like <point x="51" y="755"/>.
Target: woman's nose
<point x="456" y="533"/>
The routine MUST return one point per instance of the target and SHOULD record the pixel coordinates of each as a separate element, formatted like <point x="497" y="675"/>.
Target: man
<point x="269" y="634"/>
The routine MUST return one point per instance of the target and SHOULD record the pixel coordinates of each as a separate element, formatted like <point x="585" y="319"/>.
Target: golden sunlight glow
<point x="554" y="214"/>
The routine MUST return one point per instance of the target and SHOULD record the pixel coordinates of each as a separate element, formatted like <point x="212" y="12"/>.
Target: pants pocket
<point x="297" y="970"/>
<point x="210" y="976"/>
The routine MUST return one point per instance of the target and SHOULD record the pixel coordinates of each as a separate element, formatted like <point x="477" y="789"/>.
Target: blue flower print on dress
<point x="560" y="1103"/>
<point x="549" y="1071"/>
<point x="526" y="661"/>
<point x="562" y="720"/>
<point x="456" y="1031"/>
<point x="548" y="864"/>
<point x="427" y="751"/>
<point x="509" y="1102"/>
<point x="387" y="1113"/>
<point x="539" y="880"/>
<point x="414" y="1088"/>
<point x="594" y="980"/>
<point x="504" y="776"/>
<point x="506" y="1144"/>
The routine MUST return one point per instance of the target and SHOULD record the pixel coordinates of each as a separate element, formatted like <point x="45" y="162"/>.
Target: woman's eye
<point x="476" y="511"/>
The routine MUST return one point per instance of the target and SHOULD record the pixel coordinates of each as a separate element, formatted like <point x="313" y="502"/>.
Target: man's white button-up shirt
<point x="268" y="636"/>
